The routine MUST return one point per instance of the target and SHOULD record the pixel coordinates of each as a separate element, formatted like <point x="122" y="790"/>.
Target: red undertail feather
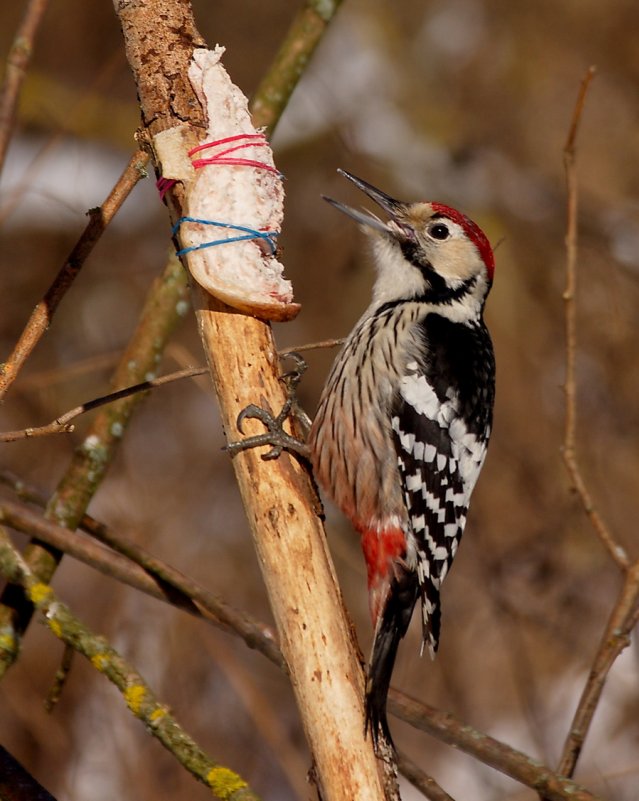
<point x="382" y="549"/>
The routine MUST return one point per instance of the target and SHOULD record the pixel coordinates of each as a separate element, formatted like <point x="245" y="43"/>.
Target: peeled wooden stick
<point x="316" y="637"/>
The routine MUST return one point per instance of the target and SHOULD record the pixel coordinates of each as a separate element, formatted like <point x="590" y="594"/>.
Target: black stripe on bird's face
<point x="438" y="290"/>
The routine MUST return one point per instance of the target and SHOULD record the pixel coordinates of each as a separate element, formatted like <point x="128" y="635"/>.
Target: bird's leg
<point x="275" y="436"/>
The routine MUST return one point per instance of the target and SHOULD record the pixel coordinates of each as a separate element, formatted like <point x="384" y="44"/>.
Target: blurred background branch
<point x="616" y="635"/>
<point x="615" y="550"/>
<point x="15" y="71"/>
<point x="42" y="315"/>
<point x="62" y="424"/>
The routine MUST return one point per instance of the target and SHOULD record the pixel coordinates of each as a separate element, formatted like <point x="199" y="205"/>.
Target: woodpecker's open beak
<point x="394" y="208"/>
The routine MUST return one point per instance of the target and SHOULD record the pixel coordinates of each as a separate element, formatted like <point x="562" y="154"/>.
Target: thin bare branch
<point x="43" y="313"/>
<point x="422" y="781"/>
<point x="63" y="425"/>
<point x="136" y="568"/>
<point x="615" y="550"/>
<point x="325" y="343"/>
<point x="305" y="33"/>
<point x="447" y="728"/>
<point x="616" y="637"/>
<point x="571" y="141"/>
<point x="16" y="70"/>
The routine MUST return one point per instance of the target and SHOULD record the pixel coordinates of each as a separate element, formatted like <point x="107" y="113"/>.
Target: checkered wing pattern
<point x="439" y="460"/>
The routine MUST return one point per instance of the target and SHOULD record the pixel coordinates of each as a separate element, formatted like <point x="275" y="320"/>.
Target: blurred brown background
<point x="463" y="101"/>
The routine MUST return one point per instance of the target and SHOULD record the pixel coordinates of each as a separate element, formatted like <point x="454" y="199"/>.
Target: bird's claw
<point x="275" y="436"/>
<point x="253" y="412"/>
<point x="293" y="377"/>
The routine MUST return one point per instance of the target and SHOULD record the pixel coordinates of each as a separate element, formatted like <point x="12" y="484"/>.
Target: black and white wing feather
<point x="441" y="427"/>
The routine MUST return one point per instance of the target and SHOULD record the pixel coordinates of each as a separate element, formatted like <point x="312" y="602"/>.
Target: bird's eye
<point x="439" y="231"/>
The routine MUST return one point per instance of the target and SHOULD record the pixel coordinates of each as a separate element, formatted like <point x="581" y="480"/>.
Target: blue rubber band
<point x="249" y="233"/>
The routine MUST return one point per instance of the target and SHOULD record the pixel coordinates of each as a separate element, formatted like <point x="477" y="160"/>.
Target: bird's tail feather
<point x="391" y="626"/>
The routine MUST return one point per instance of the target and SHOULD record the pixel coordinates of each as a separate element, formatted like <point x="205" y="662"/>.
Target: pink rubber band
<point x="164" y="184"/>
<point x="219" y="158"/>
<point x="225" y="141"/>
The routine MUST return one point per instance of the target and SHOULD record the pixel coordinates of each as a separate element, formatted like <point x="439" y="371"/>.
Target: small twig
<point x="422" y="781"/>
<point x="616" y="637"/>
<point x="157" y="718"/>
<point x="325" y="343"/>
<point x="16" y="70"/>
<point x="62" y="424"/>
<point x="60" y="679"/>
<point x="519" y="766"/>
<point x="41" y="316"/>
<point x="620" y="623"/>
<point x="136" y="568"/>
<point x="615" y="550"/>
<point x="570" y="387"/>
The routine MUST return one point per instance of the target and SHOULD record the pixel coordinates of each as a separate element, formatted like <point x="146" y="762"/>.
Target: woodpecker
<point x="404" y="419"/>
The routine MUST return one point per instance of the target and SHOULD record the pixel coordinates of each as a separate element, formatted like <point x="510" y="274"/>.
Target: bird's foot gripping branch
<point x="275" y="435"/>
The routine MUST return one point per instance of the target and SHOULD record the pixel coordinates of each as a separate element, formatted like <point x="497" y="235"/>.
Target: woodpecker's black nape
<point x="392" y="626"/>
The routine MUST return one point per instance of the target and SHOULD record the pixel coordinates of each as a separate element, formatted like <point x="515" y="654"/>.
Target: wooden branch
<point x="63" y="425"/>
<point x="316" y="639"/>
<point x="315" y="636"/>
<point x="519" y="766"/>
<point x="137" y="568"/>
<point x="43" y="313"/>
<point x="139" y="698"/>
<point x="621" y="621"/>
<point x="614" y="549"/>
<point x="16" y="70"/>
<point x="615" y="638"/>
<point x="424" y="783"/>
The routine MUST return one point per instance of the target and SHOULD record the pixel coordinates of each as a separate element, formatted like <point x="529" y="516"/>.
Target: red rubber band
<point x="219" y="158"/>
<point x="225" y="141"/>
<point x="165" y="184"/>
